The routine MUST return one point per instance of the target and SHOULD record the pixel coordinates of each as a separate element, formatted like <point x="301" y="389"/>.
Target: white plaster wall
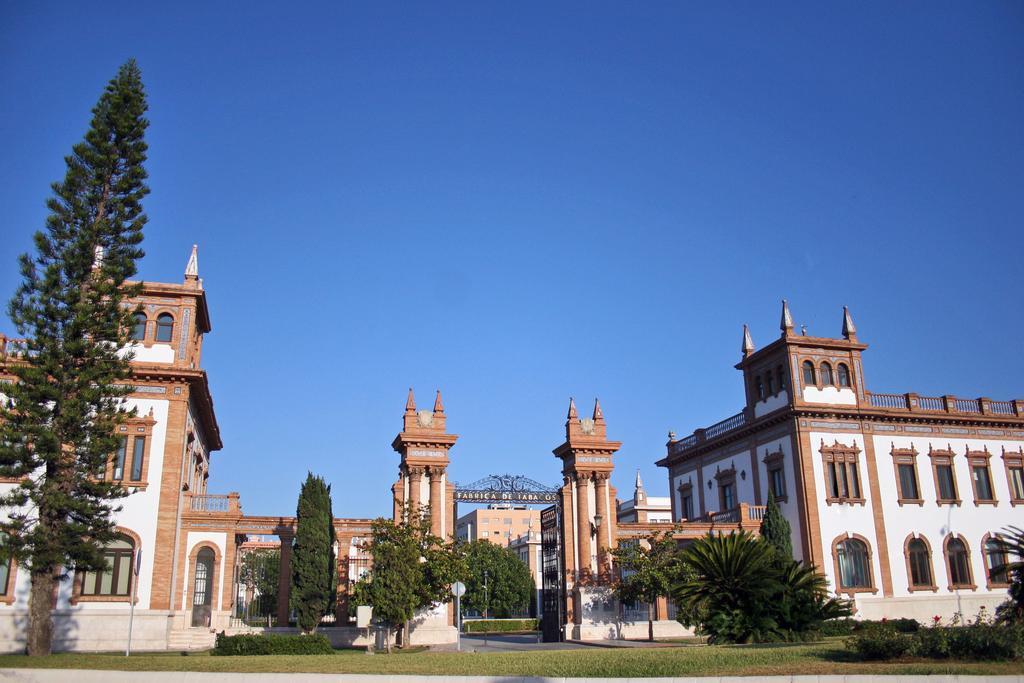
<point x="839" y="519"/>
<point x="193" y="539"/>
<point x="789" y="507"/>
<point x="157" y="353"/>
<point x="831" y="395"/>
<point x="935" y="521"/>
<point x="771" y="403"/>
<point x="744" y="483"/>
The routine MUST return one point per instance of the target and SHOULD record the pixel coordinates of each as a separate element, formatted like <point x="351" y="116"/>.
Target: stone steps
<point x="191" y="639"/>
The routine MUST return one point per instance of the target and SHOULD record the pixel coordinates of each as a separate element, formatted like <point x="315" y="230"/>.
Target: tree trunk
<point x="387" y="637"/>
<point x="650" y="621"/>
<point x="40" y="608"/>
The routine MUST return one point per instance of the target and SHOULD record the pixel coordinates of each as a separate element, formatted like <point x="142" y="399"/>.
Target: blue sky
<point x="522" y="203"/>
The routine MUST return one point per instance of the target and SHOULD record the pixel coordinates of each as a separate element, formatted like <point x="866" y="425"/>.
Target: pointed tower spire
<point x="849" y="330"/>
<point x="410" y="402"/>
<point x="438" y="405"/>
<point x="786" y="324"/>
<point x="572" y="409"/>
<point x="639" y="481"/>
<point x="192" y="267"/>
<point x="598" y="415"/>
<point x="748" y="342"/>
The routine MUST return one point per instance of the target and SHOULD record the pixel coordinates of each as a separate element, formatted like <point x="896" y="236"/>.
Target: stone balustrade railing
<point x="214" y="503"/>
<point x="914" y="403"/>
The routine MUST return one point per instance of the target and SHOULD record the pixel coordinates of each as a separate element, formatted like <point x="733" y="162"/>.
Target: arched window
<point x="844" y="375"/>
<point x="759" y="388"/>
<point x="854" y="570"/>
<point x="810" y="378"/>
<point x="139" y="331"/>
<point x="826" y="374"/>
<point x="959" y="564"/>
<point x="920" y="561"/>
<point x="202" y="591"/>
<point x="996" y="559"/>
<point x="116" y="579"/>
<point x="164" y="327"/>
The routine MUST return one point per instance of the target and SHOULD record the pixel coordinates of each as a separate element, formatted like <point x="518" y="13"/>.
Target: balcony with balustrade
<point x="948" y="405"/>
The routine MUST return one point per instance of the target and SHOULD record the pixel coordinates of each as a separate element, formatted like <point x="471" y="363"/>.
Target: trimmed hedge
<point x="846" y="627"/>
<point x="499" y="625"/>
<point x="271" y="644"/>
<point x="977" y="641"/>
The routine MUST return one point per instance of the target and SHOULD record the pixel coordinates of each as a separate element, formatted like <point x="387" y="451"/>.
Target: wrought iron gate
<point x="552" y="586"/>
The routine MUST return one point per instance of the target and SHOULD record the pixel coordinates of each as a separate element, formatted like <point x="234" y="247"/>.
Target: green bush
<point x="837" y="627"/>
<point x="499" y="626"/>
<point x="272" y="644"/>
<point x="980" y="640"/>
<point x="879" y="641"/>
<point x="901" y="625"/>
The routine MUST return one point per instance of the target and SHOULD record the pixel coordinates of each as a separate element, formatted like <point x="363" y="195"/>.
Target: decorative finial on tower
<point x="598" y="415"/>
<point x="192" y="267"/>
<point x="639" y="481"/>
<point x="849" y="330"/>
<point x="572" y="409"/>
<point x="410" y="402"/>
<point x="748" y="342"/>
<point x="803" y="330"/>
<point x="786" y="324"/>
<point x="438" y="405"/>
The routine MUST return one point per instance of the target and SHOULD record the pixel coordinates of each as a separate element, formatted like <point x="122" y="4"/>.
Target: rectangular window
<point x="728" y="497"/>
<point x="908" y="482"/>
<point x="842" y="473"/>
<point x="947" y="485"/>
<point x="122" y="450"/>
<point x="1017" y="482"/>
<point x="982" y="483"/>
<point x="688" y="506"/>
<point x="778" y="482"/>
<point x="138" y="453"/>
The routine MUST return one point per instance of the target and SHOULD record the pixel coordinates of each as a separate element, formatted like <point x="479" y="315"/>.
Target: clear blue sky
<point x="525" y="202"/>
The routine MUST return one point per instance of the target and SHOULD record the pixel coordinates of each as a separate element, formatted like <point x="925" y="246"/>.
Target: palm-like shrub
<point x="736" y="589"/>
<point x="730" y="588"/>
<point x="1012" y="611"/>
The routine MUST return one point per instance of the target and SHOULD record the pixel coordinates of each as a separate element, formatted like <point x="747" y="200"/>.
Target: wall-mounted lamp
<point x="743" y="475"/>
<point x="595" y="525"/>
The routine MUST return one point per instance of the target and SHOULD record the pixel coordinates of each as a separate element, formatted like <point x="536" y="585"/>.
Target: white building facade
<point x="896" y="498"/>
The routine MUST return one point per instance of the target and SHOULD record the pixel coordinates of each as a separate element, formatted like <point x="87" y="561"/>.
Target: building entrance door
<point x="553" y="583"/>
<point x="202" y="589"/>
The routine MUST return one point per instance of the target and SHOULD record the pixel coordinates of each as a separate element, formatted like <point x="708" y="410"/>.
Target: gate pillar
<point x="589" y="536"/>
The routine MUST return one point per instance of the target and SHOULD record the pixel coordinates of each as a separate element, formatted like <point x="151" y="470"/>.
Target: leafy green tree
<point x="647" y="572"/>
<point x="776" y="530"/>
<point x="412" y="569"/>
<point x="313" y="562"/>
<point x="509" y="584"/>
<point x="57" y="431"/>
<point x="260" y="571"/>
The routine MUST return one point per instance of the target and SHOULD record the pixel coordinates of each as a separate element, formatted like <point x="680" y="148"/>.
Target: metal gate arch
<point x="512" y="488"/>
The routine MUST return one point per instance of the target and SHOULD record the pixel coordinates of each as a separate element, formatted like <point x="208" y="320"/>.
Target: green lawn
<point x="752" y="660"/>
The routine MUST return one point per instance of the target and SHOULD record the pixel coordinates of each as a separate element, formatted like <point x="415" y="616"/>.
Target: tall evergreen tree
<point x="776" y="530"/>
<point x="58" y="428"/>
<point x="313" y="564"/>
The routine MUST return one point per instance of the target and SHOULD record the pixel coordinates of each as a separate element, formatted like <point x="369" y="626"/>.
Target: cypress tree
<point x="57" y="430"/>
<point x="775" y="529"/>
<point x="313" y="564"/>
